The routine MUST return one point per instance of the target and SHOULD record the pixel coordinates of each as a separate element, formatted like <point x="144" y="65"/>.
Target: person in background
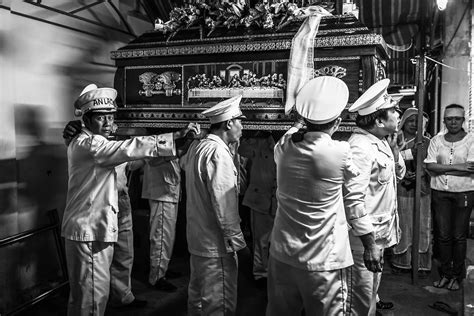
<point x="161" y="186"/>
<point x="401" y="259"/>
<point x="122" y="261"/>
<point x="377" y="156"/>
<point x="309" y="247"/>
<point x="90" y="221"/>
<point x="260" y="198"/>
<point x="213" y="223"/>
<point x="450" y="162"/>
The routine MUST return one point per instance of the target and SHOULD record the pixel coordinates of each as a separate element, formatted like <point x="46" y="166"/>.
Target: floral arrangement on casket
<point x="267" y="14"/>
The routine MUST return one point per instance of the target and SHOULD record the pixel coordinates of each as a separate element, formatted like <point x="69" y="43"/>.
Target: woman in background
<point x="451" y="162"/>
<point x="401" y="260"/>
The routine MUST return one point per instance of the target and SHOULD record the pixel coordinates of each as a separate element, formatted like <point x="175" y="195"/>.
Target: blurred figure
<point x="40" y="168"/>
<point x="450" y="161"/>
<point x="401" y="259"/>
<point x="260" y="198"/>
<point x="33" y="182"/>
<point x="213" y="223"/>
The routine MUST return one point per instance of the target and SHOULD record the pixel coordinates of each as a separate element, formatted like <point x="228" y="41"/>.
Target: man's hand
<point x="373" y="254"/>
<point x="299" y="122"/>
<point x="193" y="130"/>
<point x="373" y="258"/>
<point x="410" y="175"/>
<point x="71" y="130"/>
<point x="392" y="142"/>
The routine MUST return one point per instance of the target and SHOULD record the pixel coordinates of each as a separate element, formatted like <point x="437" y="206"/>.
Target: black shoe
<point x="170" y="274"/>
<point x="384" y="305"/>
<point x="136" y="303"/>
<point x="261" y="283"/>
<point x="397" y="270"/>
<point x="164" y="285"/>
<point x="423" y="274"/>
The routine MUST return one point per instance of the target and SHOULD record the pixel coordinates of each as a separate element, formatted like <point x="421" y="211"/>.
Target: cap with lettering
<point x="223" y="111"/>
<point x="95" y="99"/>
<point x="322" y="99"/>
<point x="373" y="99"/>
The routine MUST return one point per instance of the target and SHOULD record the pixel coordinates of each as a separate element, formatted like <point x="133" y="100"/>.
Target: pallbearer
<point x="212" y="212"/>
<point x="309" y="248"/>
<point x="376" y="154"/>
<point x="89" y="224"/>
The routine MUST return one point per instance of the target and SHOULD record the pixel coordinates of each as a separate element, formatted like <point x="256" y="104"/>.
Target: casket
<point x="166" y="82"/>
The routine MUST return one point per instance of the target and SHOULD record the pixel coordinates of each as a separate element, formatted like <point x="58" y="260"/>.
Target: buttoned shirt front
<point x="447" y="153"/>
<point x="91" y="207"/>
<point x="310" y="230"/>
<point x="213" y="222"/>
<point x="375" y="189"/>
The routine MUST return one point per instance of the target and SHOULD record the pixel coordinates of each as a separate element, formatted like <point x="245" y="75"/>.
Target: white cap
<point x="322" y="99"/>
<point x="95" y="99"/>
<point x="375" y="98"/>
<point x="225" y="110"/>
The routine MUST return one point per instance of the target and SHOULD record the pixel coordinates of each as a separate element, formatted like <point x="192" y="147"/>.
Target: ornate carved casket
<point x="165" y="83"/>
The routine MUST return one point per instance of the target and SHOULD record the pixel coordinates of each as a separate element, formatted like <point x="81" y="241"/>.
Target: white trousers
<point x="290" y="290"/>
<point x="122" y="262"/>
<point x="88" y="265"/>
<point x="363" y="287"/>
<point x="212" y="287"/>
<point x="262" y="225"/>
<point x="163" y="217"/>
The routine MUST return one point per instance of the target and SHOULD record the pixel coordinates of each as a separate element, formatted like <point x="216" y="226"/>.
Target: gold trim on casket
<point x="254" y="46"/>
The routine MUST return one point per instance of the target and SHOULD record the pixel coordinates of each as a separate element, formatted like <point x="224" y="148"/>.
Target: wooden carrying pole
<point x="421" y="74"/>
<point x="420" y="83"/>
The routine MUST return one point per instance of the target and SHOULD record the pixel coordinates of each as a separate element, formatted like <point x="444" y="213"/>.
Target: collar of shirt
<point x="220" y="141"/>
<point x="313" y="135"/>
<point x="381" y="144"/>
<point x="87" y="131"/>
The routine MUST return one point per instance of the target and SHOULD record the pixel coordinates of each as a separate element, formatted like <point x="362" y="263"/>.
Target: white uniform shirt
<point x="375" y="189"/>
<point x="124" y="205"/>
<point x="91" y="207"/>
<point x="447" y="153"/>
<point x="212" y="211"/>
<point x="161" y="180"/>
<point x="310" y="230"/>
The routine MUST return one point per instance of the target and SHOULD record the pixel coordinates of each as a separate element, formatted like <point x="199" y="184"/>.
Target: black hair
<point x="368" y="121"/>
<point x="454" y="106"/>
<point x="88" y="115"/>
<point x="311" y="127"/>
<point x="320" y="127"/>
<point x="216" y="126"/>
